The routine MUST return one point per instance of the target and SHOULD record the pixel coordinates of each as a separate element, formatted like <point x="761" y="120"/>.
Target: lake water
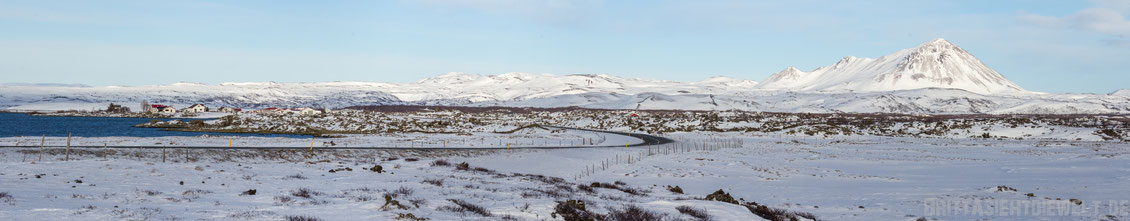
<point x="18" y="124"/>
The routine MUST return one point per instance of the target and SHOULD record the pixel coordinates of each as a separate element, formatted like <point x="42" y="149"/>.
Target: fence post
<point x="68" y="148"/>
<point x="162" y="154"/>
<point x="42" y="140"/>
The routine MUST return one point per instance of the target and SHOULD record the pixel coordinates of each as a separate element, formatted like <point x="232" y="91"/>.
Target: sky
<point x="1056" y="46"/>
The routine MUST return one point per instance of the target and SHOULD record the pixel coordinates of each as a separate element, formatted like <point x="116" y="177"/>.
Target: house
<point x="157" y="108"/>
<point x="308" y="111"/>
<point x="274" y="110"/>
<point x="230" y="110"/>
<point x="196" y="108"/>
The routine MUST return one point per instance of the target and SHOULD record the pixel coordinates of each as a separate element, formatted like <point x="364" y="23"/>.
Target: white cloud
<point x="1114" y="4"/>
<point x="556" y="12"/>
<point x="1107" y="17"/>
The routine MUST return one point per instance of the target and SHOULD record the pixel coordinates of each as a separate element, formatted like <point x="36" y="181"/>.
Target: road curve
<point x="648" y="140"/>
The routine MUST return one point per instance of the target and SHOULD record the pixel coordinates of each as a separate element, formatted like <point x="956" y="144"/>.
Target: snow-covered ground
<point x="838" y="178"/>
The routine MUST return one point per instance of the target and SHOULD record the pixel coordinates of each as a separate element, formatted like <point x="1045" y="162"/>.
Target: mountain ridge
<point x="933" y="64"/>
<point x="935" y="77"/>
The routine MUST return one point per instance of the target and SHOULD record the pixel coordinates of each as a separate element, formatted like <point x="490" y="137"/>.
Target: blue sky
<point x="1042" y="45"/>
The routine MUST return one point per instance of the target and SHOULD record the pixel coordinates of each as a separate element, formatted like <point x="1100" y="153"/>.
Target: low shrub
<point x="305" y="193"/>
<point x="699" y="214"/>
<point x="574" y="210"/>
<point x="437" y="182"/>
<point x="409" y="216"/>
<point x="585" y="188"/>
<point x="301" y="218"/>
<point x="776" y="214"/>
<point x="403" y="191"/>
<point x="675" y="189"/>
<point x="6" y="197"/>
<point x="440" y="163"/>
<point x="632" y="212"/>
<point x="627" y="190"/>
<point x="484" y="170"/>
<point x="721" y="196"/>
<point x="464" y="206"/>
<point x="392" y="203"/>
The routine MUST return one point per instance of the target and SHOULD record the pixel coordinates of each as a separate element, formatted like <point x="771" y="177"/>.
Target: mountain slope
<point x="1123" y="92"/>
<point x="934" y="64"/>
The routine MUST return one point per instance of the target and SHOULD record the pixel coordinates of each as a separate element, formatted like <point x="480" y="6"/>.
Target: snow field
<point x="839" y="178"/>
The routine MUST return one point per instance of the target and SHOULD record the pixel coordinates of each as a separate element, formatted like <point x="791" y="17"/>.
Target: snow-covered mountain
<point x="448" y="89"/>
<point x="936" y="77"/>
<point x="1123" y="92"/>
<point x="469" y="88"/>
<point x="934" y="64"/>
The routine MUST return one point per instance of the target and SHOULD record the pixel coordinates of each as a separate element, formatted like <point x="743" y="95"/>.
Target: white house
<point x="166" y="109"/>
<point x="196" y="108"/>
<point x="308" y="111"/>
<point x="229" y="110"/>
<point x="157" y="108"/>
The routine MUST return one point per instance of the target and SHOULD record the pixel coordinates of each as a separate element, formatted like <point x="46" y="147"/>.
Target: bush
<point x="633" y="212"/>
<point x="6" y="197"/>
<point x="675" y="189"/>
<point x="403" y="191"/>
<point x="627" y="190"/>
<point x="721" y="196"/>
<point x="304" y="193"/>
<point x="301" y="218"/>
<point x="409" y="216"/>
<point x="377" y="169"/>
<point x="389" y="201"/>
<point x="693" y="212"/>
<point x="463" y="166"/>
<point x="437" y="182"/>
<point x="468" y="207"/>
<point x="574" y="210"/>
<point x="438" y="163"/>
<point x="484" y="170"/>
<point x="776" y="214"/>
<point x="582" y="187"/>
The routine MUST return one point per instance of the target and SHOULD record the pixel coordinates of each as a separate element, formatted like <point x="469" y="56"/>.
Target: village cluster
<point x="200" y="108"/>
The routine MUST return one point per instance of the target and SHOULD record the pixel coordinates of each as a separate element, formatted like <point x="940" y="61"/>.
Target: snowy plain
<point x="836" y="178"/>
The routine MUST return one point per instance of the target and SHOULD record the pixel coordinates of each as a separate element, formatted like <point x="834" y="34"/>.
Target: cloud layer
<point x="1106" y="17"/>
